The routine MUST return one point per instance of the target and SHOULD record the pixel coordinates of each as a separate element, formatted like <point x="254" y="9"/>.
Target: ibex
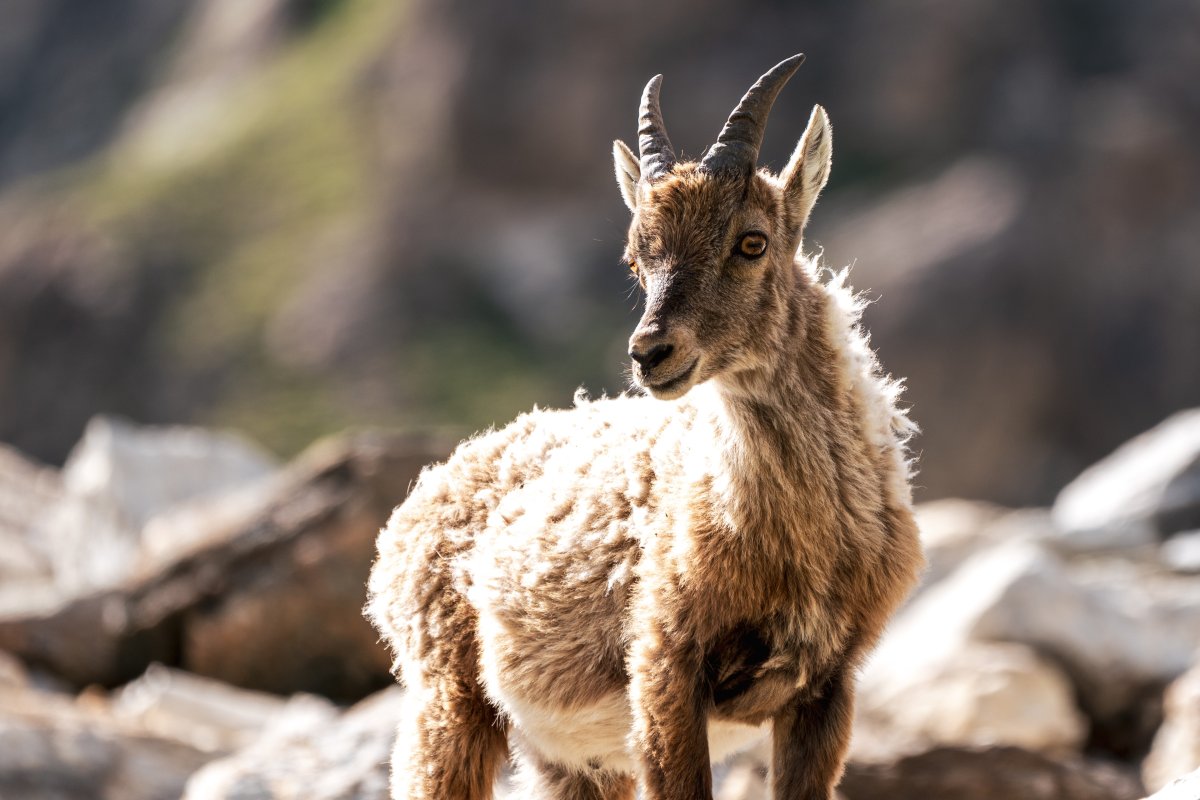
<point x="632" y="589"/>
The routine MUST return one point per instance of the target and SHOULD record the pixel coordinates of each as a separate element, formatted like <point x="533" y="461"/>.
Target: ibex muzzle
<point x="662" y="347"/>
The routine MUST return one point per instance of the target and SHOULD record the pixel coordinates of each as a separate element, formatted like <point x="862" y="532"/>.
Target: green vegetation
<point x="237" y="227"/>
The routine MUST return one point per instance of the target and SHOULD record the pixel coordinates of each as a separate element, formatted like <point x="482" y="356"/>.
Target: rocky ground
<point x="179" y="617"/>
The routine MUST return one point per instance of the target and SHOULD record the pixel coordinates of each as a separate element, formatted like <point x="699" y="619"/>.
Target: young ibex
<point x="634" y="588"/>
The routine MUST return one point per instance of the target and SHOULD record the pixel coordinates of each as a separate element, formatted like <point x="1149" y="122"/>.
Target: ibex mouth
<point x="670" y="387"/>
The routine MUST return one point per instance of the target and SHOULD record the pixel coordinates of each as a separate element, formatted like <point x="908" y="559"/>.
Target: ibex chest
<point x="755" y="669"/>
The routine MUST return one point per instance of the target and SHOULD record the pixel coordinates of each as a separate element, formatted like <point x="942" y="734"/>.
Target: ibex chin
<point x="630" y="590"/>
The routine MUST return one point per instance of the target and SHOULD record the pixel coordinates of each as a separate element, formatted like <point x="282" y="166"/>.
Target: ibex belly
<point x="597" y="736"/>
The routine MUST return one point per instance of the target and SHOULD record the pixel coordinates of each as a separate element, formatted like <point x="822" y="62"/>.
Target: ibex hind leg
<point x="451" y="742"/>
<point x="541" y="780"/>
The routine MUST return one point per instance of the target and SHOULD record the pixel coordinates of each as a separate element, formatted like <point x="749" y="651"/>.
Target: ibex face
<point x="713" y="243"/>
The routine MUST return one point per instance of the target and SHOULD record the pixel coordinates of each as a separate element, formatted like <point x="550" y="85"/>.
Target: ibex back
<point x="632" y="589"/>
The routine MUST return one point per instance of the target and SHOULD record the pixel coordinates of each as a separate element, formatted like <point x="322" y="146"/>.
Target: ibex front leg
<point x="670" y="723"/>
<point x="811" y="739"/>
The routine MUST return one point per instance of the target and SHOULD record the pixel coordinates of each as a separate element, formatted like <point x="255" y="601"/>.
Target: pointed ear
<point x="628" y="172"/>
<point x="808" y="168"/>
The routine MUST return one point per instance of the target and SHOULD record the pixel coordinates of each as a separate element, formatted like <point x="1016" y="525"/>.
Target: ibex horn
<point x="736" y="149"/>
<point x="657" y="157"/>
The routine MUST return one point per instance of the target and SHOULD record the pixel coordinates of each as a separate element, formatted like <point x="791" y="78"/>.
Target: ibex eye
<point x="752" y="245"/>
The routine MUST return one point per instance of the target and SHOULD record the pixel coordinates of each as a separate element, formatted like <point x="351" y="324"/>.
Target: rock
<point x="951" y="530"/>
<point x="981" y="694"/>
<point x="52" y="748"/>
<point x="143" y="470"/>
<point x="1023" y="525"/>
<point x="1120" y="632"/>
<point x="318" y="755"/>
<point x="303" y="593"/>
<point x="276" y="606"/>
<point x="949" y="773"/>
<point x="744" y="776"/>
<point x="321" y="757"/>
<point x="26" y="491"/>
<point x="119" y="477"/>
<point x="1184" y="788"/>
<point x="1148" y="489"/>
<point x="182" y="528"/>
<point x="62" y="760"/>
<point x="1182" y="552"/>
<point x="999" y="773"/>
<point x="205" y="714"/>
<point x="1176" y="747"/>
<point x="744" y="779"/>
<point x="12" y="673"/>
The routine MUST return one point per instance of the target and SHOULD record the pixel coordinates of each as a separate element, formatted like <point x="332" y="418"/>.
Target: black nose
<point x="649" y="359"/>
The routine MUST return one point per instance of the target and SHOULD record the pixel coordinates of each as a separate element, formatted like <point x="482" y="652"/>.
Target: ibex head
<point x="713" y="243"/>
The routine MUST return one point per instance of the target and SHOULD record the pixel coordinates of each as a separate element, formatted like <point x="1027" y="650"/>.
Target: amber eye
<point x="752" y="245"/>
<point x="637" y="273"/>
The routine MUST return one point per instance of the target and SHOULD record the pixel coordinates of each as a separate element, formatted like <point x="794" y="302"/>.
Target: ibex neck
<point x="788" y="400"/>
<point x="781" y="425"/>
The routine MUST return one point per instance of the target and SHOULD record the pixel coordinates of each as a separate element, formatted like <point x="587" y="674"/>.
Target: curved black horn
<point x="736" y="149"/>
<point x="657" y="157"/>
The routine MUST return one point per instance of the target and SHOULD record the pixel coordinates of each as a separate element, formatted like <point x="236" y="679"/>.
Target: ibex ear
<point x="628" y="172"/>
<point x="808" y="168"/>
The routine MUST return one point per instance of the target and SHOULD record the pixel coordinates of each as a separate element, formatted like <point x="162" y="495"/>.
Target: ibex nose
<point x="653" y="357"/>
<point x="649" y="349"/>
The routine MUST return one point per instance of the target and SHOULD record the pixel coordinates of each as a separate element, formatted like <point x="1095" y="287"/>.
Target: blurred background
<point x="290" y="216"/>
<point x="275" y="221"/>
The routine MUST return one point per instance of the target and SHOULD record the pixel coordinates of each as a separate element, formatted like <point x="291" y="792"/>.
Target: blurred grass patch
<point x="473" y="376"/>
<point x="234" y="230"/>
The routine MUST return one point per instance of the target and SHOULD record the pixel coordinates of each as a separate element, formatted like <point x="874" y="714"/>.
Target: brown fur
<point x="615" y="585"/>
